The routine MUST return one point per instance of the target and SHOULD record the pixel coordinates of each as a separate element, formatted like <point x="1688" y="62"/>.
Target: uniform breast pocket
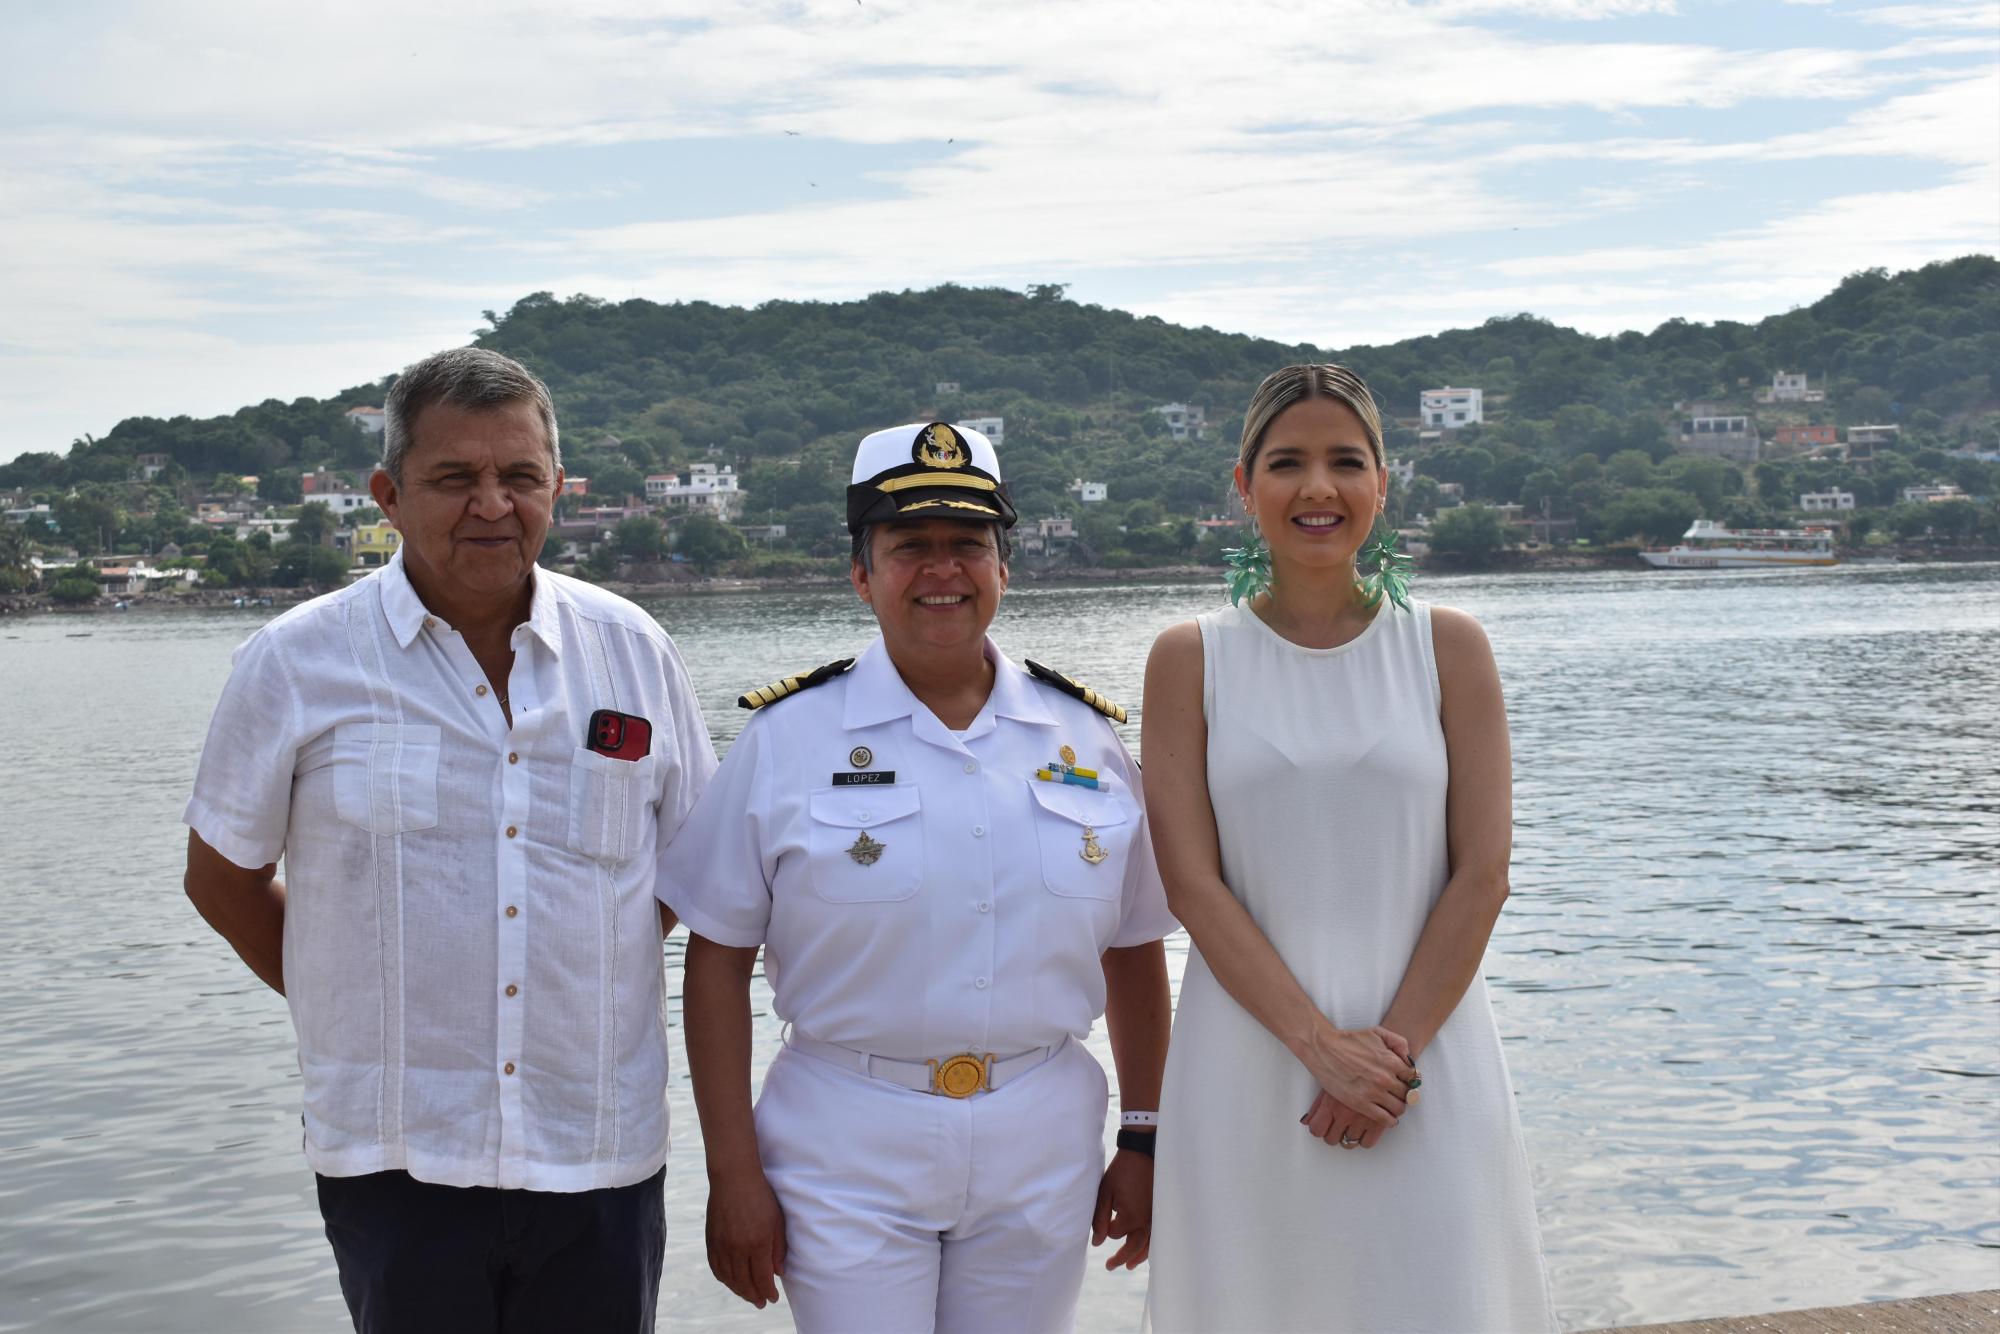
<point x="610" y="802"/>
<point x="385" y="776"/>
<point x="866" y="845"/>
<point x="1084" y="836"/>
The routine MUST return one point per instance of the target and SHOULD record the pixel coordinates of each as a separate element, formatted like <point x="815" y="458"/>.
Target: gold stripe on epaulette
<point x="791" y="685"/>
<point x="1103" y="705"/>
<point x="1070" y="686"/>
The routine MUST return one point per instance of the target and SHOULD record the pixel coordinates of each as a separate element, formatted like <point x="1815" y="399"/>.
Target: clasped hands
<point x="1366" y="1082"/>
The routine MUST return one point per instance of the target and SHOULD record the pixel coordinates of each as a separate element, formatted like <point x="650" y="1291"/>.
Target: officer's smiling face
<point x="936" y="582"/>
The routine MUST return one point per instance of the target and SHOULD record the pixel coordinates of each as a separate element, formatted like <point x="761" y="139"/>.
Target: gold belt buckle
<point x="961" y="1076"/>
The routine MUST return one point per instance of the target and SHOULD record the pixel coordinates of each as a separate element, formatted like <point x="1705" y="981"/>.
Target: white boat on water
<point x="1708" y="545"/>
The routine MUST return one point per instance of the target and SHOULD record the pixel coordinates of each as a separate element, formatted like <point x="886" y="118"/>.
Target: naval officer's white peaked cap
<point x="887" y="450"/>
<point x="927" y="470"/>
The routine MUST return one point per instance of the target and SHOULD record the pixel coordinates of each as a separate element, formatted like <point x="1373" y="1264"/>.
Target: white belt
<point x="958" y="1076"/>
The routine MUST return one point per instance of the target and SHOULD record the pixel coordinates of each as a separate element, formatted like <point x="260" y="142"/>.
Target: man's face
<point x="475" y="500"/>
<point x="936" y="582"/>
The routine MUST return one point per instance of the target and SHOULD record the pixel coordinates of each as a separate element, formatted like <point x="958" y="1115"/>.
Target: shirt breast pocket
<point x="610" y="802"/>
<point x="866" y="845"/>
<point x="1084" y="836"/>
<point x="385" y="776"/>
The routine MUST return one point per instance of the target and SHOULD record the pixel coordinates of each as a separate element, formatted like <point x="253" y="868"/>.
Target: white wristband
<point x="1145" y="1120"/>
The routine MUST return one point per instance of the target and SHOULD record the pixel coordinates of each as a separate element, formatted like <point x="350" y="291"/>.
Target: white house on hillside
<point x="708" y="489"/>
<point x="1089" y="493"/>
<point x="1790" y="387"/>
<point x="1450" y="408"/>
<point x="993" y="428"/>
<point x="370" y="420"/>
<point x="1815" y="501"/>
<point x="342" y="503"/>
<point x="1183" y="419"/>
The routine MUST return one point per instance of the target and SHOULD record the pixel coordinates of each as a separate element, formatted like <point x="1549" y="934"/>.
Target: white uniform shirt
<point x="980" y="925"/>
<point x="472" y="946"/>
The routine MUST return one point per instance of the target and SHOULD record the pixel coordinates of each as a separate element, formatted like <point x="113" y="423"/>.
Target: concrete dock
<point x="1954" y="1313"/>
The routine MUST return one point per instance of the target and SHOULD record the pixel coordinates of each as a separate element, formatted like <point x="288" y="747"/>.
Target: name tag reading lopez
<point x="869" y="778"/>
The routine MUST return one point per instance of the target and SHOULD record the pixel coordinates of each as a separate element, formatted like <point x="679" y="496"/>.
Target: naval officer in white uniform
<point x="946" y="862"/>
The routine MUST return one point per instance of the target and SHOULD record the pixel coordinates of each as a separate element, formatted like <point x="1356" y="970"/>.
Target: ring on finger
<point x="1347" y="1143"/>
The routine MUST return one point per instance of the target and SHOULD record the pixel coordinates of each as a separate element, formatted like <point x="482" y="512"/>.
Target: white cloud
<point x="184" y="179"/>
<point x="1819" y="245"/>
<point x="1982" y="16"/>
<point x="1952" y="120"/>
<point x="1557" y="9"/>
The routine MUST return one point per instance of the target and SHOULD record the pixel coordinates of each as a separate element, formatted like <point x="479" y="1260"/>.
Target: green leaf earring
<point x="1249" y="568"/>
<point x="1391" y="574"/>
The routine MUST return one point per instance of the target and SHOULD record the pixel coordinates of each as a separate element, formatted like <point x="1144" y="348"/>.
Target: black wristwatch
<point x="1138" y="1141"/>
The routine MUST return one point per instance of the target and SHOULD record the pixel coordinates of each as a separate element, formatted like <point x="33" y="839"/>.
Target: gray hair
<point x="465" y="377"/>
<point x="1294" y="384"/>
<point x="864" y="545"/>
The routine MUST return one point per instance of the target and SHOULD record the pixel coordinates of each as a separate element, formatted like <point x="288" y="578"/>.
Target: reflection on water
<point x="1747" y="976"/>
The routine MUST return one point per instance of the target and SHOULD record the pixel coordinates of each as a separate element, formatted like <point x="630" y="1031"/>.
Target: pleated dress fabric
<point x="1327" y="774"/>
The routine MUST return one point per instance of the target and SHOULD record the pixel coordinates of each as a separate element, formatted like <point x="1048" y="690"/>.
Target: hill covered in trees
<point x="1577" y="426"/>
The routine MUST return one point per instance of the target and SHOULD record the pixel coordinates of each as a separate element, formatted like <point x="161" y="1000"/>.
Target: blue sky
<point x="206" y="204"/>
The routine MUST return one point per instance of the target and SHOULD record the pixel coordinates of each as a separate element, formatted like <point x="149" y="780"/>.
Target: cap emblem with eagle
<point x="938" y="446"/>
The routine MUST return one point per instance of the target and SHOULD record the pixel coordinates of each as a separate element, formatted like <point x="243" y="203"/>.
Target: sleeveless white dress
<point x="1327" y="772"/>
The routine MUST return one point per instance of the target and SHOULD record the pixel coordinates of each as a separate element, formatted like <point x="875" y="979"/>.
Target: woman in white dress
<point x="1330" y="794"/>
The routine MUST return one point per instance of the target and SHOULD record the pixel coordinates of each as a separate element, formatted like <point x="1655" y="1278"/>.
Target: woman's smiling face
<point x="1314" y="486"/>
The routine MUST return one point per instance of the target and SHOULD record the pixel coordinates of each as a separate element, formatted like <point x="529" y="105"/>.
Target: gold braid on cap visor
<point x="895" y="484"/>
<point x="934" y="502"/>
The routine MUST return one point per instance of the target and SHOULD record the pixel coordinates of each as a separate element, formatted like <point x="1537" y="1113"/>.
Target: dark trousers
<point x="417" y="1258"/>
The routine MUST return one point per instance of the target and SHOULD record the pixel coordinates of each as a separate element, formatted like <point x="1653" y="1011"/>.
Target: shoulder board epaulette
<point x="1072" y="688"/>
<point x="792" y="685"/>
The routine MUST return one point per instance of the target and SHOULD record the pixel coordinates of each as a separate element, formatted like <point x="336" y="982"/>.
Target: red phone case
<point x="622" y="736"/>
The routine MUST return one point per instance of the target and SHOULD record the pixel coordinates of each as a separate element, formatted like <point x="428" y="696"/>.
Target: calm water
<point x="1747" y="977"/>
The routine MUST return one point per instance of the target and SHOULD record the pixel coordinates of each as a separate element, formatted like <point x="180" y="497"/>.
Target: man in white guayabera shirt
<point x="469" y="766"/>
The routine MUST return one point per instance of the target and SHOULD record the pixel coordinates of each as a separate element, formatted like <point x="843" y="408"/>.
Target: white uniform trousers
<point x="908" y="1212"/>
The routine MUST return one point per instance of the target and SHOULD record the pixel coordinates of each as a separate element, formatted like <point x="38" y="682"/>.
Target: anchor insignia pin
<point x="1093" y="851"/>
<point x="867" y="851"/>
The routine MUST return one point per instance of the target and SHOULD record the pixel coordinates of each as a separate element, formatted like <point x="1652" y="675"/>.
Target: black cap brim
<point x="867" y="503"/>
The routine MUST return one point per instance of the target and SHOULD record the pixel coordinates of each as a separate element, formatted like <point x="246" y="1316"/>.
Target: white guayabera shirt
<point x="472" y="946"/>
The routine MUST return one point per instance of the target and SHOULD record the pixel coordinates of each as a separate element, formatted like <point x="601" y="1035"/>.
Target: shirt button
<point x="512" y="911"/>
<point x="479" y="689"/>
<point x="979" y="831"/>
<point x="985" y="907"/>
<point x="971" y="768"/>
<point x="513" y="758"/>
<point x="864" y="815"/>
<point x="513" y="990"/>
<point x="980" y="983"/>
<point x="507" y="1069"/>
<point x="511" y="831"/>
<point x="430" y="623"/>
